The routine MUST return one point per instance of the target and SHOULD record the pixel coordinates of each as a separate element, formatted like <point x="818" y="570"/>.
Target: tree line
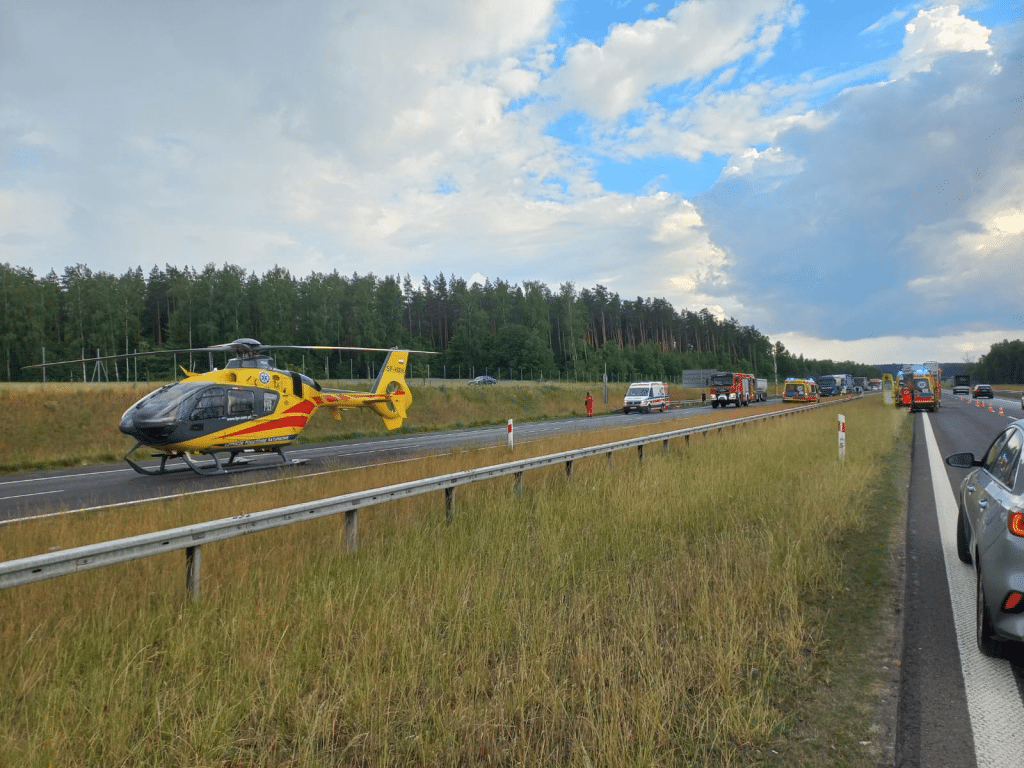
<point x="513" y="331"/>
<point x="1004" y="364"/>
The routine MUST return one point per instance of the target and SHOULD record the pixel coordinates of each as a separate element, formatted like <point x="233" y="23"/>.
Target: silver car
<point x="990" y="534"/>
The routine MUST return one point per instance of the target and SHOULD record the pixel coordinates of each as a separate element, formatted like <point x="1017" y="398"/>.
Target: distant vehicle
<point x="827" y="386"/>
<point x="875" y="385"/>
<point x="962" y="384"/>
<point x="982" y="390"/>
<point x="844" y="383"/>
<point x="761" y="390"/>
<point x="925" y="394"/>
<point x="646" y="396"/>
<point x="990" y="535"/>
<point x="731" y="389"/>
<point x="860" y="383"/>
<point x="483" y="380"/>
<point x="800" y="391"/>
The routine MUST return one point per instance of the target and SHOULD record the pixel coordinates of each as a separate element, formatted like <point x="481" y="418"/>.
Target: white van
<point x="646" y="396"/>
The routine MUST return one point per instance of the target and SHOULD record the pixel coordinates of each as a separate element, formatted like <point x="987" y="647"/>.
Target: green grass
<point x="696" y="609"/>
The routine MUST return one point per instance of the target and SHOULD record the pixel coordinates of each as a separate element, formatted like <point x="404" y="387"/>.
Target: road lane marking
<point x="993" y="700"/>
<point x="27" y="495"/>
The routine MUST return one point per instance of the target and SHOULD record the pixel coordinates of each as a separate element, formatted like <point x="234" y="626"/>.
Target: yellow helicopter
<point x="250" y="406"/>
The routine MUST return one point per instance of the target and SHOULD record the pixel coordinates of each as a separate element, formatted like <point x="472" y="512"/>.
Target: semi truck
<point x="761" y="390"/>
<point x="962" y="384"/>
<point x="731" y="389"/>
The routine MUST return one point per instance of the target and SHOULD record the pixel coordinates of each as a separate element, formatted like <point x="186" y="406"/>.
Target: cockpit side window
<point x="269" y="402"/>
<point x="210" y="405"/>
<point x="240" y="402"/>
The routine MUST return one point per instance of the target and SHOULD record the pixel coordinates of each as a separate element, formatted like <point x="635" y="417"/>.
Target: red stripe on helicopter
<point x="331" y="398"/>
<point x="289" y="421"/>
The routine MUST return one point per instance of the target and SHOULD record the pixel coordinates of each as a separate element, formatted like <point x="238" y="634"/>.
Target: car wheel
<point x="987" y="643"/>
<point x="963" y="543"/>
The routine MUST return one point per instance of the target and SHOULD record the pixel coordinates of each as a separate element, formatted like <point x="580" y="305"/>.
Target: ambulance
<point x="800" y="391"/>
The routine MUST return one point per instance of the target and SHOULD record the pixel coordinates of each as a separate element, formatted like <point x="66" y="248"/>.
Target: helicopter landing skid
<point x="218" y="467"/>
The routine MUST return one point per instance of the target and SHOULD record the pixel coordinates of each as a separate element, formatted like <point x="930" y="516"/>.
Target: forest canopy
<point x="512" y="331"/>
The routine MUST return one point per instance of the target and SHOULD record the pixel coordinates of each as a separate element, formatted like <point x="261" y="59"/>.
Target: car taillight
<point x="1013" y="603"/>
<point x="1015" y="522"/>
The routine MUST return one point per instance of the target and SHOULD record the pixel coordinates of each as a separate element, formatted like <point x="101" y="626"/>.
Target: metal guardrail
<point x="191" y="538"/>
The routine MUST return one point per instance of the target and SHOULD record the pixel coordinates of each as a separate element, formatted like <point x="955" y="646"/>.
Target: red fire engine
<point x="731" y="389"/>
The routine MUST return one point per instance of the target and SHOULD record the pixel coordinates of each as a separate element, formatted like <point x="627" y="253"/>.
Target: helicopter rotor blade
<point x="347" y="349"/>
<point x="240" y="347"/>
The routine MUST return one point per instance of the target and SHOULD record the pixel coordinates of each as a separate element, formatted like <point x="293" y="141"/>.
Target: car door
<point x="996" y="482"/>
<point x="975" y="489"/>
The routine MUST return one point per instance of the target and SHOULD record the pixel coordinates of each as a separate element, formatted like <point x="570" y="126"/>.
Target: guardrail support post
<point x="687" y="439"/>
<point x="351" y="530"/>
<point x="449" y="503"/>
<point x="640" y="452"/>
<point x="517" y="486"/>
<point x="610" y="459"/>
<point x="664" y="445"/>
<point x="193" y="559"/>
<point x="568" y="469"/>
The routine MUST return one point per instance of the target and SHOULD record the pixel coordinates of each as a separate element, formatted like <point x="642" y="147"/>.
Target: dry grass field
<point x="701" y="608"/>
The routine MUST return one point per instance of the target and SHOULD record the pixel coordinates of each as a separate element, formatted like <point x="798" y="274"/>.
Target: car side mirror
<point x="963" y="460"/>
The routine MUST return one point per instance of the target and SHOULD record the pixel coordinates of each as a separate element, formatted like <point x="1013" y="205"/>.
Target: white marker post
<point x="842" y="437"/>
<point x="510" y="434"/>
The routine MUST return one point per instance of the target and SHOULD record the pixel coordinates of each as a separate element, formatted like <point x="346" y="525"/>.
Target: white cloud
<point x="935" y="33"/>
<point x="894" y="16"/>
<point x="1008" y="222"/>
<point x="691" y="42"/>
<point x="906" y="197"/>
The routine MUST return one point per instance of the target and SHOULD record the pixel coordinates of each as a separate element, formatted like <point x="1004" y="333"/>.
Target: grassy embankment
<point x="715" y="606"/>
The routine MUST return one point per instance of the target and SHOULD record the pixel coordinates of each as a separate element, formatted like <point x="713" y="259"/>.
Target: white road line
<point x="26" y="495"/>
<point x="67" y="477"/>
<point x="200" y="491"/>
<point x="993" y="701"/>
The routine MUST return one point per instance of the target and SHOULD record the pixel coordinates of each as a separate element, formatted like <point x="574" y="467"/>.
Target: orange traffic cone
<point x="1001" y="411"/>
<point x="990" y="408"/>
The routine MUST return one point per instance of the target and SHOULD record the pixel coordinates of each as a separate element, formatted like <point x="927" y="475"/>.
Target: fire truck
<point x="731" y="389"/>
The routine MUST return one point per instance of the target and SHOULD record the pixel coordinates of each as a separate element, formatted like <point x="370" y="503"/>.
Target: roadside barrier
<point x="192" y="538"/>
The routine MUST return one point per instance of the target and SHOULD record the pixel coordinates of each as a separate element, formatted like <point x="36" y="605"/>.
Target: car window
<point x="1004" y="467"/>
<point x="994" y="449"/>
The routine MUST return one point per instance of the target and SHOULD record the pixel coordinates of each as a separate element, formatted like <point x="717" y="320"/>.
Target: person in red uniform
<point x="590" y="405"/>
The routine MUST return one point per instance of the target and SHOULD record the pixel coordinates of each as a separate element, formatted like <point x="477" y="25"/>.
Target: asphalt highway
<point x="68" y="491"/>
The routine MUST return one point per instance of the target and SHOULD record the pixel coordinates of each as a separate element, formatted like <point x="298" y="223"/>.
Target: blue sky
<point x="845" y="176"/>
